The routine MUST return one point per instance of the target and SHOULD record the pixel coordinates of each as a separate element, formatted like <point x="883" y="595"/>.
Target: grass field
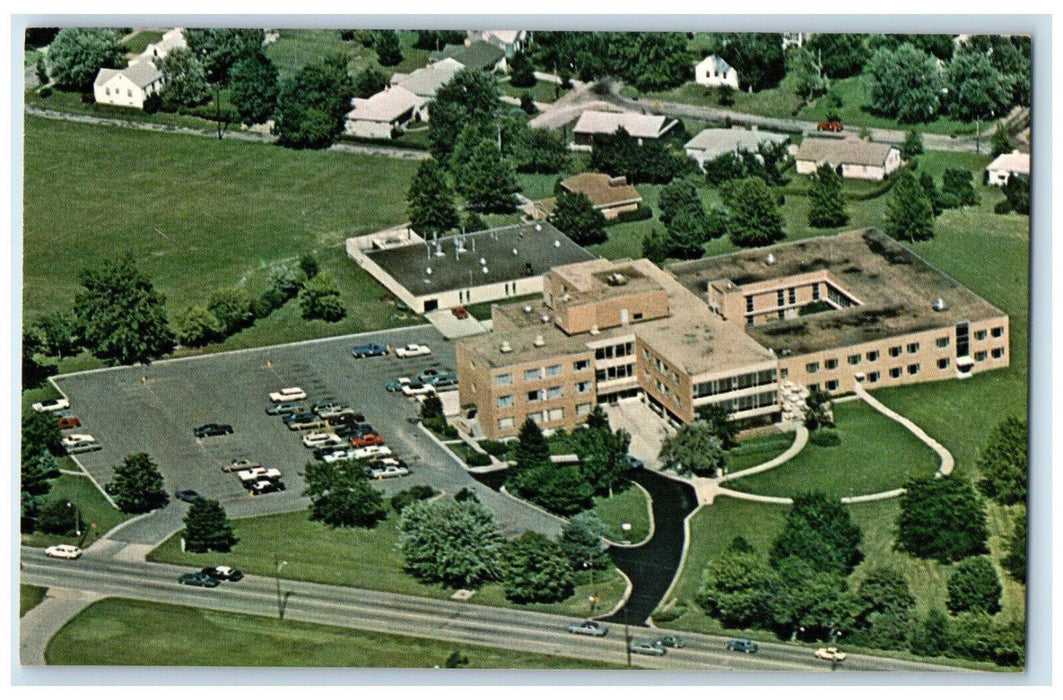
<point x="876" y="454"/>
<point x="139" y="40"/>
<point x="29" y="597"/>
<point x="297" y="47"/>
<point x="119" y="632"/>
<point x="542" y="91"/>
<point x="754" y="451"/>
<point x="355" y="557"/>
<point x="629" y="506"/>
<point x="94" y="508"/>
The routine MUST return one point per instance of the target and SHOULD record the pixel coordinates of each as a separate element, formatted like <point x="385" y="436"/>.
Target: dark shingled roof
<point x="478" y="55"/>
<point x="537" y="244"/>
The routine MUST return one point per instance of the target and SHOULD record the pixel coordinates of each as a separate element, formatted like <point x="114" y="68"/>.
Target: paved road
<point x="423" y="617"/>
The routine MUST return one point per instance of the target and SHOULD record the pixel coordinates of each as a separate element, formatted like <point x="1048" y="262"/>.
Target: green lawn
<point x="120" y="632"/>
<point x="70" y="102"/>
<point x="29" y="597"/>
<point x="355" y="557"/>
<point x="139" y="40"/>
<point x="627" y="506"/>
<point x="297" y="47"/>
<point x="542" y="91"/>
<point x="95" y="510"/>
<point x="754" y="451"/>
<point x="876" y="454"/>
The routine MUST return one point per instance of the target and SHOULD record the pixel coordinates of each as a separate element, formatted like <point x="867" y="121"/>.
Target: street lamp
<point x="277" y="566"/>
<point x="594" y="594"/>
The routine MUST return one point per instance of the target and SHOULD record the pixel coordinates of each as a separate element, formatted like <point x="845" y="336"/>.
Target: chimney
<point x="505" y="347"/>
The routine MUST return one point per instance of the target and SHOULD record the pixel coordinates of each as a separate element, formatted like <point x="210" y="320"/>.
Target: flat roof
<point x="897" y="288"/>
<point x="539" y="245"/>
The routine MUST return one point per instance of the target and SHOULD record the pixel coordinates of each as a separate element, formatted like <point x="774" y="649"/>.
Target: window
<point x="583" y="387"/>
<point x="555" y="392"/>
<point x="619" y="372"/>
<point x="638" y="316"/>
<point x="129" y="92"/>
<point x="913" y="348"/>
<point x="872" y="355"/>
<point x="873" y="377"/>
<point x="943" y="363"/>
<point x="980" y="356"/>
<point x="504" y="401"/>
<point x="555" y="414"/>
<point x="504" y="380"/>
<point x="832" y="363"/>
<point x="832" y="385"/>
<point x="854" y="359"/>
<point x="998" y="353"/>
<point x="942" y="342"/>
<point x="813" y="387"/>
<point x="530" y="375"/>
<point x="553" y="370"/>
<point x="658" y="364"/>
<point x="583" y="409"/>
<point x="536" y="417"/>
<point x="780" y="297"/>
<point x="532" y="396"/>
<point x="784" y="373"/>
<point x="781" y="314"/>
<point x="812" y="367"/>
<point x="913" y="368"/>
<point x="895" y="351"/>
<point x="998" y="331"/>
<point x="791" y="294"/>
<point x="815" y="291"/>
<point x="895" y="372"/>
<point x="749" y="305"/>
<point x="504" y="423"/>
<point x="675" y="377"/>
<point x="107" y="91"/>
<point x="979" y="335"/>
<point x="581" y="365"/>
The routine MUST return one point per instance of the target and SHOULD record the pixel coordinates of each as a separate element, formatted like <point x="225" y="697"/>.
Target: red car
<point x="829" y="126"/>
<point x="367" y="440"/>
<point x="459" y="312"/>
<point x="68" y="420"/>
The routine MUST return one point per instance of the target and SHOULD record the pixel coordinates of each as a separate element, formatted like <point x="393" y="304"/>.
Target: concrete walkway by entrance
<point x="647" y="429"/>
<point x="39" y="625"/>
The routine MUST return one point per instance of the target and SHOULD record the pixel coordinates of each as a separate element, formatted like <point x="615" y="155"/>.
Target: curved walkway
<point x="947" y="462"/>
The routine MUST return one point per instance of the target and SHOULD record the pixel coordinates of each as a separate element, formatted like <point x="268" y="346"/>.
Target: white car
<point x="250" y="476"/>
<point x="57" y="405"/>
<point x="342" y="456"/>
<point x="413" y="350"/>
<point x="830" y="654"/>
<point x="388" y="471"/>
<point x="418" y="389"/>
<point x="292" y="393"/>
<point x="76" y="443"/>
<point x="240" y="465"/>
<point x="321" y="439"/>
<point x="63" y="551"/>
<point x="371" y="451"/>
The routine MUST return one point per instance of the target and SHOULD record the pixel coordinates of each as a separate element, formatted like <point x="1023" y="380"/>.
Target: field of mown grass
<point x="94" y="508"/>
<point x="295" y="48"/>
<point x="121" y="632"/>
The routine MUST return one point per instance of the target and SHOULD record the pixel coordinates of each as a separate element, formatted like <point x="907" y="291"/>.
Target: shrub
<point x="825" y="437"/>
<point x="478" y="459"/>
<point x="642" y="213"/>
<point x="673" y="613"/>
<point x="439" y="426"/>
<point x="405" y="497"/>
<point x="495" y="448"/>
<point x="58" y="517"/>
<point x="45" y="92"/>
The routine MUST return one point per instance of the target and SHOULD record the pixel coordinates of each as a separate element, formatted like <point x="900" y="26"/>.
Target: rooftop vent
<point x="527" y="309"/>
<point x="939" y="304"/>
<point x="538" y="342"/>
<point x="616" y="279"/>
<point x="769" y="259"/>
<point x="538" y="227"/>
<point x="505" y="347"/>
<point x="428" y="270"/>
<point x="594" y="330"/>
<point x="545" y="318"/>
<point x="618" y="181"/>
<point x="485" y="269"/>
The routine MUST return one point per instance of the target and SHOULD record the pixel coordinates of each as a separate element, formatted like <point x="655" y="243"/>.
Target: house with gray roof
<point x="478" y="55"/>
<point x="385" y="114"/>
<point x="713" y="143"/>
<point x="715" y="71"/>
<point x="640" y="126"/>
<point x="851" y="157"/>
<point x="129" y="86"/>
<point x="425" y="82"/>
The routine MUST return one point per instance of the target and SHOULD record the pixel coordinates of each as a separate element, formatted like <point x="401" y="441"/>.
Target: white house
<point x="852" y="158"/>
<point x="713" y="143"/>
<point x="128" y="87"/>
<point x="1006" y="166"/>
<point x="173" y="39"/>
<point x="425" y="82"/>
<point x="641" y="126"/>
<point x="509" y="40"/>
<point x="715" y="71"/>
<point x="384" y="114"/>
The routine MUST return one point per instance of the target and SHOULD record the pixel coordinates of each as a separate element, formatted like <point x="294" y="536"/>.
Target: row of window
<point x="549" y="416"/>
<point x="727" y="384"/>
<point x="531" y="375"/>
<point x="913" y="369"/>
<point x="619" y="372"/>
<point x="995" y="332"/>
<point x="611" y="351"/>
<point x="748" y="403"/>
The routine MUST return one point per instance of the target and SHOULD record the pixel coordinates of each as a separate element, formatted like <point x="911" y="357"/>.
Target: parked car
<point x="830" y="654"/>
<point x="337" y="413"/>
<point x="413" y="350"/>
<point x="212" y="430"/>
<point x="239" y="465"/>
<point x="187" y="495"/>
<point x="63" y="551"/>
<point x="832" y="125"/>
<point x="366" y="440"/>
<point x="418" y="389"/>
<point x="302" y="415"/>
<point x="54" y="405"/>
<point x="443" y="383"/>
<point x="318" y="406"/>
<point x="320" y="439"/>
<point x="459" y="312"/>
<point x="338" y="456"/>
<point x="250" y="476"/>
<point x="370" y="349"/>
<point x="68" y="420"/>
<point x="286" y="408"/>
<point x="371" y="451"/>
<point x="397" y="384"/>
<point x="591" y="628"/>
<point x="746" y="646"/>
<point x="292" y="393"/>
<point x="388" y="471"/>
<point x="647" y="647"/>
<point x="265" y="486"/>
<point x="224" y="573"/>
<point x="80" y="442"/>
<point x="198" y="578"/>
<point x="307" y="421"/>
<point x="347" y="417"/>
<point x="673" y="641"/>
<point x="631" y="462"/>
<point x="320" y="452"/>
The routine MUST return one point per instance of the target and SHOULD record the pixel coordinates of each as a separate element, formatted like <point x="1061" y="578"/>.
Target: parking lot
<point x="154" y="409"/>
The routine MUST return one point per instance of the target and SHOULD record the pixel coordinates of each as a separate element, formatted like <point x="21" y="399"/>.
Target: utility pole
<point x="277" y="566"/>
<point x="627" y="638"/>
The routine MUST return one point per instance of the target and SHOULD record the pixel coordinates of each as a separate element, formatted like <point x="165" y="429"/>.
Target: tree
<point x="973" y="585"/>
<point x="534" y="570"/>
<point x="231" y="306"/>
<point x="558" y="488"/>
<point x="387" y="47"/>
<point x="660" y="61"/>
<point x="207" y="528"/>
<point x="957" y="188"/>
<point x="725" y="96"/>
<point x="1015" y="561"/>
<point x="843" y="55"/>
<point x="941" y="519"/>
<point x="913" y="144"/>
<point x="521" y="71"/>
<point x="909" y="213"/>
<point x="905" y="84"/>
<point x="59" y="517"/>
<point x="1001" y="142"/>
<point x="581" y="541"/>
<point x="138" y="486"/>
<point x="933" y="194"/>
<point x="932" y="636"/>
<point x="320" y="298"/>
<point x="826" y="208"/>
<point x="735" y="588"/>
<point x="976" y="88"/>
<point x="540" y="151"/>
<point x="121" y="319"/>
<point x="753" y="215"/>
<point x="655" y="247"/>
<point x="340" y="495"/>
<point x="676" y="197"/>
<point x="308" y="264"/>
<point x="431" y="199"/>
<point x="75" y="56"/>
<point x="432" y="407"/>
<point x="471" y="97"/>
<point x="819" y="531"/>
<point x="369" y="82"/>
<point x="1003" y="463"/>
<point x="601" y="453"/>
<point x="818" y="409"/>
<point x="578" y="219"/>
<point x="488" y="181"/>
<point x="806" y="68"/>
<point x="40" y="433"/>
<point x="196" y="326"/>
<point x="454" y="543"/>
<point x="719" y="420"/>
<point x="311" y="106"/>
<point x="694" y="448"/>
<point x="254" y="85"/>
<point x="883" y="613"/>
<point x="184" y="80"/>
<point x="34" y="372"/>
<point x="814" y="604"/>
<point x="413" y="494"/>
<point x="758" y="56"/>
<point x="220" y="48"/>
<point x="37" y="469"/>
<point x="57" y="331"/>
<point x="1017" y="196"/>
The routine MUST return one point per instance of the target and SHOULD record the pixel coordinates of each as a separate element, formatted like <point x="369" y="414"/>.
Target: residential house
<point x="713" y="143"/>
<point x="641" y="126"/>
<point x="609" y="195"/>
<point x="425" y="82"/>
<point x="851" y="157"/>
<point x="715" y="71"/>
<point x="129" y="86"/>
<point x="509" y="40"/>
<point x="1006" y="166"/>
<point x="797" y="39"/>
<point x="478" y="55"/>
<point x="384" y="114"/>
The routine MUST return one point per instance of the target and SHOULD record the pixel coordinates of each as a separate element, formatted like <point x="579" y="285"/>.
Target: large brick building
<point x="737" y="330"/>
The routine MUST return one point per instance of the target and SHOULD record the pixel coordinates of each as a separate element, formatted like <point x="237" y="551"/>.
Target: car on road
<point x="68" y="420"/>
<point x="321" y="439"/>
<point x="746" y="646"/>
<point x="413" y="350"/>
<point x="198" y="578"/>
<point x="366" y="439"/>
<point x="265" y="486"/>
<point x="388" y="471"/>
<point x="338" y="456"/>
<point x="396" y="384"/>
<point x="54" y="405"/>
<point x="212" y="430"/>
<point x="224" y="573"/>
<point x="80" y="442"/>
<point x="239" y="465"/>
<point x="418" y="389"/>
<point x="63" y="551"/>
<point x="286" y="408"/>
<point x="673" y="641"/>
<point x="188" y="496"/>
<point x="292" y="393"/>
<point x="592" y="628"/>
<point x="830" y="654"/>
<point x="459" y="312"/>
<point x="647" y="647"/>
<point x="830" y="125"/>
<point x="632" y="462"/>
<point x="372" y="451"/>
<point x="371" y="349"/>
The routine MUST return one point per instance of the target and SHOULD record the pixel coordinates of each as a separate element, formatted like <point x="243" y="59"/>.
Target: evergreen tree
<point x="909" y="213"/>
<point x="913" y="144"/>
<point x="576" y="217"/>
<point x="973" y="585"/>
<point x="1017" y="196"/>
<point x="581" y="542"/>
<point x="37" y="469"/>
<point x="387" y="47"/>
<point x="34" y="372"/>
<point x="488" y="181"/>
<point x="1015" y="561"/>
<point x="932" y="636"/>
<point x="1001" y="142"/>
<point x="941" y="519"/>
<point x="957" y="188"/>
<point x="521" y="71"/>
<point x="753" y="214"/>
<point x="138" y="485"/>
<point x="533" y="450"/>
<point x="207" y="528"/>
<point x="255" y="87"/>
<point x="655" y="247"/>
<point x="432" y="211"/>
<point x="40" y="433"/>
<point x="1003" y="463"/>
<point x="933" y="194"/>
<point x="826" y="207"/>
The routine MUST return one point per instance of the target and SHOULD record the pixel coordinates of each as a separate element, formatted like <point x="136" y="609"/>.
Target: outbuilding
<point x="1006" y="166"/>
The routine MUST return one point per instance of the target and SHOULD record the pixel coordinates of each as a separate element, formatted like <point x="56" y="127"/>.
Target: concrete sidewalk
<point x="39" y="625"/>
